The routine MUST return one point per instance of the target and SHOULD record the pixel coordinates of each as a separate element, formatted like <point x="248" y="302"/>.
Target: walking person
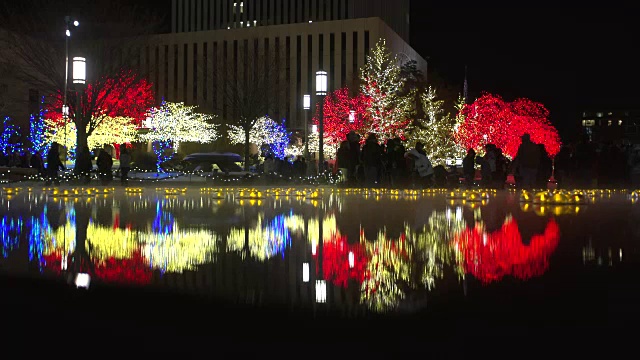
<point x="105" y="163"/>
<point x="125" y="165"/>
<point x="422" y="165"/>
<point x="372" y="160"/>
<point x="528" y="160"/>
<point x="469" y="168"/>
<point x="53" y="164"/>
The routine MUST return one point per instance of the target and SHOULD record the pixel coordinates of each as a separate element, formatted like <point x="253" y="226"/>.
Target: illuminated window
<point x="609" y="122"/>
<point x="588" y="123"/>
<point x="619" y="122"/>
<point x="598" y="114"/>
<point x="609" y="113"/>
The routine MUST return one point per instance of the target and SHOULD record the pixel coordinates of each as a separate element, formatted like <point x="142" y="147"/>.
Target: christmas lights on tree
<point x="342" y="114"/>
<point x="390" y="110"/>
<point x="491" y="120"/>
<point x="111" y="130"/>
<point x="177" y="122"/>
<point x="37" y="132"/>
<point x="436" y="131"/>
<point x="10" y="141"/>
<point x="163" y="151"/>
<point x="265" y="131"/>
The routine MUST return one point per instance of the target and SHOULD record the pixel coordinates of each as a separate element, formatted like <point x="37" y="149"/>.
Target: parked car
<point x="215" y="163"/>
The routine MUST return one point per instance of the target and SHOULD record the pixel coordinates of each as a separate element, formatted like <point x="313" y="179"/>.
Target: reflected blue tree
<point x="10" y="229"/>
<point x="38" y="229"/>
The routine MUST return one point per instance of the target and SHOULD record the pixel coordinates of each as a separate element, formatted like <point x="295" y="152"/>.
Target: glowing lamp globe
<point x="321" y="83"/>
<point x="79" y="70"/>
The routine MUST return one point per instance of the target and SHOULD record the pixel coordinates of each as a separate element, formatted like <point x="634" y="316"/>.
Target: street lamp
<point x="79" y="74"/>
<point x="306" y="105"/>
<point x="321" y="91"/>
<point x="79" y="70"/>
<point x="68" y="23"/>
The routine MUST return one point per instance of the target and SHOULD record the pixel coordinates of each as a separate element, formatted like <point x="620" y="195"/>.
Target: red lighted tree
<point x="342" y="261"/>
<point x="126" y="94"/>
<point x="337" y="110"/>
<point x="491" y="120"/>
<point x="491" y="256"/>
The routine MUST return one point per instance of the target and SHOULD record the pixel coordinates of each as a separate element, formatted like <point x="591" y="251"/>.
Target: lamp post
<point x="79" y="79"/>
<point x="65" y="106"/>
<point x="321" y="91"/>
<point x="306" y="105"/>
<point x="68" y="23"/>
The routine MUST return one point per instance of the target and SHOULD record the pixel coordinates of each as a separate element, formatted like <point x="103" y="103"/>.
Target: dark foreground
<point x="51" y="318"/>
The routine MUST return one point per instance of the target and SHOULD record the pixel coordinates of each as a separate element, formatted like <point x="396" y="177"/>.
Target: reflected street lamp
<point x="321" y="91"/>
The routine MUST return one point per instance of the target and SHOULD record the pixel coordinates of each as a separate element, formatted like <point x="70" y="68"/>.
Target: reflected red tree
<point x="336" y="266"/>
<point x="491" y="256"/>
<point x="133" y="270"/>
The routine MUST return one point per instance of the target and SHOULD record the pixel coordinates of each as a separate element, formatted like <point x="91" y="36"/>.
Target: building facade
<point x="612" y="125"/>
<point x="203" y="15"/>
<point x="196" y="62"/>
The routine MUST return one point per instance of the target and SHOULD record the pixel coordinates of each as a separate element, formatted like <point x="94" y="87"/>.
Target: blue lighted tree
<point x="37" y="129"/>
<point x="10" y="141"/>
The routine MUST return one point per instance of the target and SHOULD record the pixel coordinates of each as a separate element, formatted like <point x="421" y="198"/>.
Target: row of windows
<point x="199" y="15"/>
<point x="195" y="73"/>
<point x="589" y="123"/>
<point x="600" y="114"/>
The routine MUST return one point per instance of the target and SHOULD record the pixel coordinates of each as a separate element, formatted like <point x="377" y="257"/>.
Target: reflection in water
<point x="491" y="256"/>
<point x="168" y="247"/>
<point x="378" y="268"/>
<point x="10" y="234"/>
<point x="267" y="239"/>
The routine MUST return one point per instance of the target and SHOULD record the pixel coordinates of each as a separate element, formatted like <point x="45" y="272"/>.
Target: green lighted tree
<point x="391" y="107"/>
<point x="436" y="130"/>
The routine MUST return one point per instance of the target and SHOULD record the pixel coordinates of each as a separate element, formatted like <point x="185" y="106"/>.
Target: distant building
<point x="613" y="125"/>
<point x="209" y="36"/>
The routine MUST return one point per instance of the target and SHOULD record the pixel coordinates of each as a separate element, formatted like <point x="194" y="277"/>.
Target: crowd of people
<point x="585" y="164"/>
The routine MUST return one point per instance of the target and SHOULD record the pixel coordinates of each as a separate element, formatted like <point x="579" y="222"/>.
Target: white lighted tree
<point x="110" y="130"/>
<point x="390" y="109"/>
<point x="265" y="131"/>
<point x="435" y="131"/>
<point x="179" y="123"/>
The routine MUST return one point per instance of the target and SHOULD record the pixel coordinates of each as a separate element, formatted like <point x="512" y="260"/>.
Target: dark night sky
<point x="565" y="57"/>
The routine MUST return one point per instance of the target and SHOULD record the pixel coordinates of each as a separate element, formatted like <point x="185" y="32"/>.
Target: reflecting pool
<point x="355" y="250"/>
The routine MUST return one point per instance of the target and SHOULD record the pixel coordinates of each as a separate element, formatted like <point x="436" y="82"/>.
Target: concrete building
<point x="195" y="63"/>
<point x="612" y="125"/>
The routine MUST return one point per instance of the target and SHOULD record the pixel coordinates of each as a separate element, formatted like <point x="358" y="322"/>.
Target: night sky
<point x="567" y="58"/>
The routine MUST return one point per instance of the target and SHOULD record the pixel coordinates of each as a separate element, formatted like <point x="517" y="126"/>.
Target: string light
<point x="491" y="120"/>
<point x="265" y="131"/>
<point x="177" y="122"/>
<point x="390" y="111"/>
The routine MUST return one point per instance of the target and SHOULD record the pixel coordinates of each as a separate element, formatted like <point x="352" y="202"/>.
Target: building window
<point x="355" y="52"/>
<point x="195" y="73"/>
<point x="366" y="44"/>
<point x="619" y="122"/>
<point x="599" y="114"/>
<point x="609" y="122"/>
<point x="588" y="123"/>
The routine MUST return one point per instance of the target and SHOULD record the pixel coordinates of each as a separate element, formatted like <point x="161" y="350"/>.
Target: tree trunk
<point x="247" y="131"/>
<point x="81" y="147"/>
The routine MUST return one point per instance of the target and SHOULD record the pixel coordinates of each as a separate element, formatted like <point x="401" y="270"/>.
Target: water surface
<point x="359" y="251"/>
